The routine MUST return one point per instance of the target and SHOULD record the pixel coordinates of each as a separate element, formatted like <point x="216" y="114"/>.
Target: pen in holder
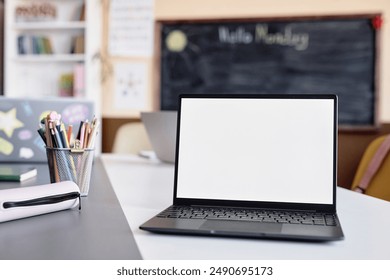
<point x="71" y="164"/>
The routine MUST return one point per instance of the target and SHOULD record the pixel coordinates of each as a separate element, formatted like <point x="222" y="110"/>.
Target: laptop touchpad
<point x="241" y="226"/>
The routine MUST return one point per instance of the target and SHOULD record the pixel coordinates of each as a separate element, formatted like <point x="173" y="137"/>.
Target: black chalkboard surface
<point x="294" y="55"/>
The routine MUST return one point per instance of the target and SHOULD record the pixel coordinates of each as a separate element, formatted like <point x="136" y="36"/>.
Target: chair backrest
<point x="373" y="174"/>
<point x="131" y="138"/>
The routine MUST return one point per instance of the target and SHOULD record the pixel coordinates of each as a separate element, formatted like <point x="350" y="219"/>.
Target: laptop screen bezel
<point x="259" y="204"/>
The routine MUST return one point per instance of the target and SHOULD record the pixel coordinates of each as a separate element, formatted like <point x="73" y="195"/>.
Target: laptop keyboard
<point x="255" y="215"/>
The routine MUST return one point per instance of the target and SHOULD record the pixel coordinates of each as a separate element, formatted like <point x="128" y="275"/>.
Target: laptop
<point x="161" y="129"/>
<point x="259" y="166"/>
<point x="20" y="121"/>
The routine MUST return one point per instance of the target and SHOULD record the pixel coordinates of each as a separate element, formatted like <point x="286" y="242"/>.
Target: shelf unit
<point x="38" y="75"/>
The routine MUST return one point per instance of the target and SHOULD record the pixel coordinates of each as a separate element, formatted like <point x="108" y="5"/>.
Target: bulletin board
<point x="127" y="50"/>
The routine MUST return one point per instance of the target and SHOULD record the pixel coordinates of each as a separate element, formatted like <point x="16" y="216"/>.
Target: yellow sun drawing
<point x="176" y="41"/>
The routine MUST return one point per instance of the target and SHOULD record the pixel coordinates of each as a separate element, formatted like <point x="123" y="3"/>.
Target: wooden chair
<point x="131" y="138"/>
<point x="373" y="174"/>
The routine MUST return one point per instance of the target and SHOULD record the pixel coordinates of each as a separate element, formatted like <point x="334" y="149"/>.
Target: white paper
<point x="130" y="85"/>
<point x="131" y="28"/>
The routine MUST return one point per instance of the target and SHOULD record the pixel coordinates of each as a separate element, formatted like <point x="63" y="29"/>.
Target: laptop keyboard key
<point x="260" y="215"/>
<point x="330" y="220"/>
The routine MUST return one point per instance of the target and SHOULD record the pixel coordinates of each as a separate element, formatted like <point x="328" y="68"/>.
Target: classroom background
<point x="109" y="52"/>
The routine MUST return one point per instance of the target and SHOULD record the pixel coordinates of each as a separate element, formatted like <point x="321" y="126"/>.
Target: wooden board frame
<point x="156" y="75"/>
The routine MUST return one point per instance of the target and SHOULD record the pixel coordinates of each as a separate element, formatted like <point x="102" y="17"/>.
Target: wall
<point x="351" y="145"/>
<point x="214" y="9"/>
<point x="109" y="109"/>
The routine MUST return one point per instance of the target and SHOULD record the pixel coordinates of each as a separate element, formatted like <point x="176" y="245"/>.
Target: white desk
<point x="145" y="187"/>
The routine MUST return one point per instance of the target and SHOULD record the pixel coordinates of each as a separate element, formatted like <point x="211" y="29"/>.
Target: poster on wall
<point x="131" y="28"/>
<point x="130" y="86"/>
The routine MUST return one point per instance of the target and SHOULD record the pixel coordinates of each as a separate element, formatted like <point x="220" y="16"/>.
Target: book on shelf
<point x="66" y="85"/>
<point x="17" y="173"/>
<point x="21" y="47"/>
<point x="47" y="45"/>
<point x="34" y="45"/>
<point x="79" y="80"/>
<point x="82" y="12"/>
<point x="78" y="45"/>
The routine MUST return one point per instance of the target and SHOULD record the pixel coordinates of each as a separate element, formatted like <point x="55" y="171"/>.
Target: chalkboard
<point x="293" y="55"/>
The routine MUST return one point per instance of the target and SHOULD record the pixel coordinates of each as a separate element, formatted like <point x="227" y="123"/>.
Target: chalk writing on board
<point x="239" y="35"/>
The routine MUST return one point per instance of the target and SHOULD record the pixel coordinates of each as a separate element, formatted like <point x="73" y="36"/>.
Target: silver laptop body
<point x="260" y="166"/>
<point x="161" y="129"/>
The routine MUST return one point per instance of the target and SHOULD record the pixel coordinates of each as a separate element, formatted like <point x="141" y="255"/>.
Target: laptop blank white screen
<point x="271" y="150"/>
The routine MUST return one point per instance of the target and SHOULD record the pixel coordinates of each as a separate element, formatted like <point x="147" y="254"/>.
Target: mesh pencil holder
<point x="71" y="165"/>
